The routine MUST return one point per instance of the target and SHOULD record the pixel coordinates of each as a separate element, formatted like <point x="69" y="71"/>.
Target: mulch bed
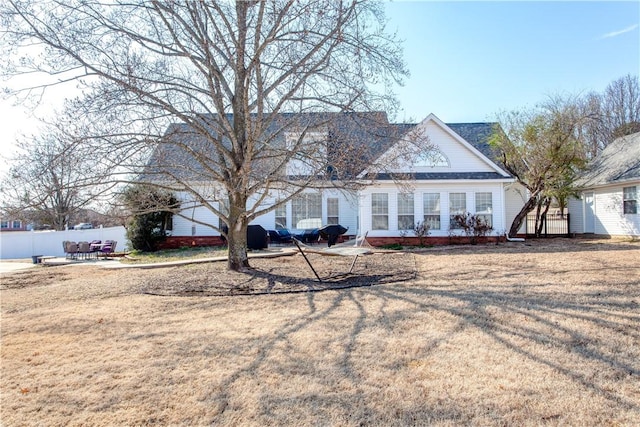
<point x="283" y="275"/>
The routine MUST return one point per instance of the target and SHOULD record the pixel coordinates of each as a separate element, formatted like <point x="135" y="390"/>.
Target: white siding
<point x="610" y="219"/>
<point x="515" y="197"/>
<point x="347" y="211"/>
<point x="419" y="188"/>
<point x="461" y="158"/>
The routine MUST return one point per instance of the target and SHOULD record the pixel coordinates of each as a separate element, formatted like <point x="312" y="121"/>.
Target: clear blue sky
<point x="469" y="60"/>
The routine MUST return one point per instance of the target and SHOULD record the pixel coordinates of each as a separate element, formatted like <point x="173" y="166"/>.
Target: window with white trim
<point x="457" y="206"/>
<point x="630" y="200"/>
<point x="4" y="224"/>
<point x="380" y="211"/>
<point x="431" y="207"/>
<point x="281" y="217"/>
<point x="484" y="207"/>
<point x="333" y="210"/>
<point x="306" y="211"/>
<point x="16" y="224"/>
<point x="406" y="220"/>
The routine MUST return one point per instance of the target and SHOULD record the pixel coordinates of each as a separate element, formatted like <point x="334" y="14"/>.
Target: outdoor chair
<point x="84" y="250"/>
<point x="279" y="236"/>
<point x="71" y="250"/>
<point x="94" y="247"/>
<point x="109" y="247"/>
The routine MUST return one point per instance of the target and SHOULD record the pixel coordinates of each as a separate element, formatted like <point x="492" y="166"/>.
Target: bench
<point x="42" y="259"/>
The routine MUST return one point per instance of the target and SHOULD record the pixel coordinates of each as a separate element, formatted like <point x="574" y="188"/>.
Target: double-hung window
<point x="306" y="211"/>
<point x="405" y="211"/>
<point x="281" y="217"/>
<point x="380" y="211"/>
<point x="333" y="212"/>
<point x="630" y="200"/>
<point x="431" y="208"/>
<point x="457" y="206"/>
<point x="484" y="207"/>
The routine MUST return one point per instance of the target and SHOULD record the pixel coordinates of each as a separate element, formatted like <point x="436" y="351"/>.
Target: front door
<point x="589" y="213"/>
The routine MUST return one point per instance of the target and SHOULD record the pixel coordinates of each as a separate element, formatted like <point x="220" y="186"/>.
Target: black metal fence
<point x="553" y="225"/>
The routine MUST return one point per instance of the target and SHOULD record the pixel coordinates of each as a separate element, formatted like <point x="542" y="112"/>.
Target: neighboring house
<point x="12" y="225"/>
<point x="610" y="192"/>
<point x="457" y="175"/>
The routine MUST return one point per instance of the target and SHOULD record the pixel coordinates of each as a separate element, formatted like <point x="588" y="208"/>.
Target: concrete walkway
<point x="17" y="265"/>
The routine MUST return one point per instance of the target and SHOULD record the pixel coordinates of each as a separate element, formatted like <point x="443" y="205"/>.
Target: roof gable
<point x="619" y="162"/>
<point x="465" y="156"/>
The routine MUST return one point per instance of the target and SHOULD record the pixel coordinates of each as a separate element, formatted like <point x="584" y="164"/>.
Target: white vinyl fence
<point x="25" y="244"/>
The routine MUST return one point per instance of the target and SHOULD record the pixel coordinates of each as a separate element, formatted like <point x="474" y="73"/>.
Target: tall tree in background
<point x="54" y="175"/>
<point x="223" y="69"/>
<point x="543" y="150"/>
<point x="612" y="113"/>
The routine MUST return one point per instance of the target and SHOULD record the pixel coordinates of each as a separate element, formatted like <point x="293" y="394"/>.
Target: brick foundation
<point x="431" y="241"/>
<point x="175" y="242"/>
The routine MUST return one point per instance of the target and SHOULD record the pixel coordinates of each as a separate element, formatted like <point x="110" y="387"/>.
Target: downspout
<point x="513" y="239"/>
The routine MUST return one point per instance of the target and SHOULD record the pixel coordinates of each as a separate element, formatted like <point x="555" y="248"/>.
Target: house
<point x="12" y="225"/>
<point x="609" y="192"/>
<point x="457" y="174"/>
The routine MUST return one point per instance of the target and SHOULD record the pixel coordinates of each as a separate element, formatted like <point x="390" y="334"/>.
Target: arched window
<point x="432" y="158"/>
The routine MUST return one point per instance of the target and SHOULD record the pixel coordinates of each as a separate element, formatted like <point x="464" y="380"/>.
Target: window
<point x="306" y="211"/>
<point x="405" y="211"/>
<point x="333" y="216"/>
<point x="16" y="224"/>
<point x="4" y="224"/>
<point x="457" y="206"/>
<point x="432" y="210"/>
<point x="630" y="200"/>
<point x="484" y="207"/>
<point x="380" y="211"/>
<point x="432" y="158"/>
<point x="281" y="217"/>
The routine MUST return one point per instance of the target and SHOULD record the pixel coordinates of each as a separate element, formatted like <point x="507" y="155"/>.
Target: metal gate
<point x="553" y="225"/>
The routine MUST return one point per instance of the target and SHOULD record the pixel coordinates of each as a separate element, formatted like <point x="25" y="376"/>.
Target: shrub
<point x="151" y="211"/>
<point x="421" y="230"/>
<point x="473" y="226"/>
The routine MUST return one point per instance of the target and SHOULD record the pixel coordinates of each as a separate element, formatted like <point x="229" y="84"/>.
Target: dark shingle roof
<point x="362" y="136"/>
<point x="477" y="134"/>
<point x="619" y="162"/>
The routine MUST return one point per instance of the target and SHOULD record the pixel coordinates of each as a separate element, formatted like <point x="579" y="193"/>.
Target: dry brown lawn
<point x="546" y="333"/>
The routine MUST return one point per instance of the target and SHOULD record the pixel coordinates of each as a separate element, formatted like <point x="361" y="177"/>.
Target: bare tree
<point x="225" y="72"/>
<point x="613" y="113"/>
<point x="54" y="175"/>
<point x="543" y="150"/>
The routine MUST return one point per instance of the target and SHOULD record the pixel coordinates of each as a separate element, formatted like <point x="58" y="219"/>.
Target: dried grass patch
<point x="546" y="334"/>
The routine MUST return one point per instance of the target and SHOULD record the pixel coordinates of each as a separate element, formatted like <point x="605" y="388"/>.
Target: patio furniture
<point x="279" y="236"/>
<point x="331" y="233"/>
<point x="310" y="235"/>
<point x="84" y="250"/>
<point x="70" y="249"/>
<point x="107" y="248"/>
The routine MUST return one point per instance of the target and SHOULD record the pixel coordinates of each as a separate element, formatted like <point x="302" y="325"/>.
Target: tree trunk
<point x="542" y="217"/>
<point x="237" y="236"/>
<point x="522" y="215"/>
